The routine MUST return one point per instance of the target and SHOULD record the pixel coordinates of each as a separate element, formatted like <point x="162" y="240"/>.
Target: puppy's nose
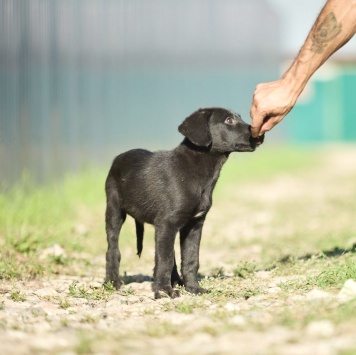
<point x="260" y="139"/>
<point x="256" y="140"/>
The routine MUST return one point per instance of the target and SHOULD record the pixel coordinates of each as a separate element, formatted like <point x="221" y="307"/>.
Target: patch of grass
<point x="64" y="304"/>
<point x="249" y="292"/>
<point x="161" y="329"/>
<point x="245" y="270"/>
<point x="88" y="318"/>
<point x="350" y="351"/>
<point x="263" y="164"/>
<point x="59" y="259"/>
<point x="26" y="243"/>
<point x="109" y="287"/>
<point x="9" y="269"/>
<point x="332" y="275"/>
<point x="300" y="315"/>
<point x="31" y="217"/>
<point x="95" y="294"/>
<point x="85" y="345"/>
<point x="17" y="296"/>
<point x="185" y="306"/>
<point x="335" y="274"/>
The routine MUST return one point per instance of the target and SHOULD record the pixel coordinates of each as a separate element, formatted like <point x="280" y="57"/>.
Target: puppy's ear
<point x="196" y="128"/>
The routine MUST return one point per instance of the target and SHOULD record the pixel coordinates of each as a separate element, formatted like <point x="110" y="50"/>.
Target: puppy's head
<point x="222" y="130"/>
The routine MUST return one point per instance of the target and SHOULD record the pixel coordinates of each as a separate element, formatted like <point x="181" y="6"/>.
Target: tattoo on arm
<point x="327" y="30"/>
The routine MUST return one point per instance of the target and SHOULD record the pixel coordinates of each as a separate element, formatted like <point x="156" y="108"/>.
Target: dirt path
<point x="254" y="314"/>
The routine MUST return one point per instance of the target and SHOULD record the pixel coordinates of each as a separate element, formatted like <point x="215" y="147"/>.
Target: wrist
<point x="294" y="81"/>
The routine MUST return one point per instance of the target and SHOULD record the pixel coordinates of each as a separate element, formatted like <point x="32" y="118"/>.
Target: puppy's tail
<point x="139" y="235"/>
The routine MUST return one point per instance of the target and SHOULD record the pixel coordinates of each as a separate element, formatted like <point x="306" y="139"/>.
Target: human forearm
<point x="333" y="28"/>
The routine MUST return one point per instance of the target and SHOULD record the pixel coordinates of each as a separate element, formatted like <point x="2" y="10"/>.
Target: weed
<point x="245" y="270"/>
<point x="162" y="329"/>
<point x="185" y="308"/>
<point x="109" y="287"/>
<point x="59" y="259"/>
<point x="26" y="244"/>
<point x="149" y="311"/>
<point x="64" y="304"/>
<point x="84" y="345"/>
<point x="127" y="291"/>
<point x="77" y="291"/>
<point x="217" y="272"/>
<point x="332" y="275"/>
<point x="249" y="292"/>
<point x="8" y="270"/>
<point x="17" y="296"/>
<point x="94" y="294"/>
<point x="337" y="273"/>
<point x="2" y="305"/>
<point x="88" y="318"/>
<point x="64" y="322"/>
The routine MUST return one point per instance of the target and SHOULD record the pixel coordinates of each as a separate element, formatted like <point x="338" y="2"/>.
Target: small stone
<point x="95" y="284"/>
<point x="273" y="290"/>
<point x="263" y="274"/>
<point x="80" y="229"/>
<point x="348" y="291"/>
<point x="322" y="328"/>
<point x="46" y="292"/>
<point x="104" y="315"/>
<point x="315" y="295"/>
<point x="231" y="307"/>
<point x="54" y="250"/>
<point x="238" y="320"/>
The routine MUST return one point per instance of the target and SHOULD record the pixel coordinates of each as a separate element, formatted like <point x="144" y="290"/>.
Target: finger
<point x="256" y="123"/>
<point x="255" y="132"/>
<point x="268" y="124"/>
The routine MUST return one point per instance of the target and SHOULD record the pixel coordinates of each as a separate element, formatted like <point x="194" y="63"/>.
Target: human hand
<point x="271" y="103"/>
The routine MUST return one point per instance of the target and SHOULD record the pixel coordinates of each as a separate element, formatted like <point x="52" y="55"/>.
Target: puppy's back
<point x="139" y="178"/>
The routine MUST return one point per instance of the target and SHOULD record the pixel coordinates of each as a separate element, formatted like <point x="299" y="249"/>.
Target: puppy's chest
<point x="205" y="199"/>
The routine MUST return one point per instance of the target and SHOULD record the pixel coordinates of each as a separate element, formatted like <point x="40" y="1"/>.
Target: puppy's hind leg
<point x="114" y="218"/>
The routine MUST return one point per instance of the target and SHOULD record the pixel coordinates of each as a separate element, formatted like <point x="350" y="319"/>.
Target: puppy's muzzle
<point x="255" y="142"/>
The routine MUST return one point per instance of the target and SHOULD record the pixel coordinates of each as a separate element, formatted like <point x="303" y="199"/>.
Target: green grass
<point x="90" y="293"/>
<point x="264" y="164"/>
<point x="331" y="274"/>
<point x="71" y="213"/>
<point x="17" y="296"/>
<point x="33" y="218"/>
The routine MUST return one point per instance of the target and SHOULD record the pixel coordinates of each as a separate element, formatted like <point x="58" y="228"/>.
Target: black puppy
<point x="173" y="191"/>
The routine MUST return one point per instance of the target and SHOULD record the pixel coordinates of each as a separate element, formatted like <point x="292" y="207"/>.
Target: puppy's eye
<point x="230" y="121"/>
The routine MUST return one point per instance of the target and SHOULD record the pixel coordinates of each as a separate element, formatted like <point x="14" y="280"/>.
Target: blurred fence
<point x="326" y="112"/>
<point x="81" y="80"/>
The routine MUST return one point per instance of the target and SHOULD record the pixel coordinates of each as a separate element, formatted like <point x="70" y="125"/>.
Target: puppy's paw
<point x="196" y="289"/>
<point x="171" y="292"/>
<point x="116" y="282"/>
<point x="177" y="282"/>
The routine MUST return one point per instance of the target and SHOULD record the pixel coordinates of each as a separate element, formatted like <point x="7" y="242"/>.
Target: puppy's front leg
<point x="164" y="261"/>
<point x="190" y="237"/>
